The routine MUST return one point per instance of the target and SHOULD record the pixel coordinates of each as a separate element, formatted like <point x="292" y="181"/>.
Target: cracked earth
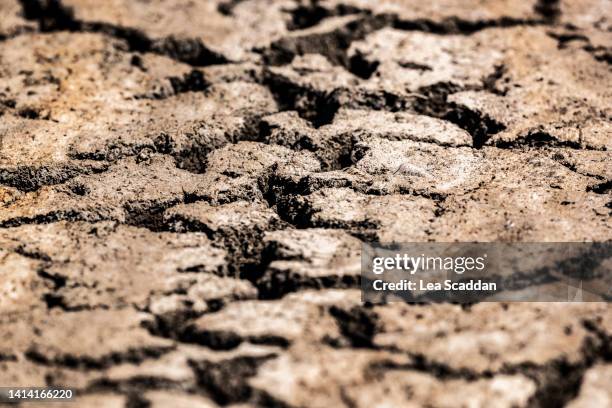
<point x="185" y="186"/>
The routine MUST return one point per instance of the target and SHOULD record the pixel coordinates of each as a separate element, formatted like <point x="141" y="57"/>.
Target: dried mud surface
<point x="185" y="186"/>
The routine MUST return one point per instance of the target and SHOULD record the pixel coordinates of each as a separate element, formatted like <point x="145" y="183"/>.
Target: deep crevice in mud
<point x="52" y="15"/>
<point x="421" y="363"/>
<point x="31" y="178"/>
<point x="134" y="385"/>
<point x="193" y="81"/>
<point x="58" y="281"/>
<point x="415" y="66"/>
<point x="276" y="284"/>
<point x="600" y="53"/>
<point x="320" y="108"/>
<point x="317" y="107"/>
<point x="490" y="82"/>
<point x="15" y="33"/>
<point x="136" y="400"/>
<point x="51" y="217"/>
<point x="35" y="255"/>
<point x="6" y="357"/>
<point x="562" y="160"/>
<point x="455" y="25"/>
<point x="188" y="50"/>
<point x="227" y="7"/>
<point x="550" y="10"/>
<point x="361" y="66"/>
<point x="601" y="188"/>
<point x="435" y="103"/>
<point x="225" y="340"/>
<point x="309" y="15"/>
<point x="559" y="381"/>
<point x="90" y="363"/>
<point x="542" y="139"/>
<point x="28" y="112"/>
<point x="58" y="301"/>
<point x="227" y="381"/>
<point x="564" y="38"/>
<point x="53" y="299"/>
<point x="333" y="45"/>
<point x="148" y="214"/>
<point x="358" y="325"/>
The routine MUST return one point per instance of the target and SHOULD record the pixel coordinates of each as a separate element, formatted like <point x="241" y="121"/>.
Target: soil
<point x="185" y="187"/>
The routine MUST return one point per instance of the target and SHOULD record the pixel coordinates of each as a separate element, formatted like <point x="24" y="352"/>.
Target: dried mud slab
<point x="185" y="188"/>
<point x="309" y="258"/>
<point x="234" y="29"/>
<point x="366" y="377"/>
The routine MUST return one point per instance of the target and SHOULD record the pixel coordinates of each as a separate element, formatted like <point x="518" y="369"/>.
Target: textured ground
<point x="184" y="186"/>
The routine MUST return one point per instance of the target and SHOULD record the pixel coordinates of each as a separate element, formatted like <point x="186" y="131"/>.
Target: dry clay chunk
<point x="188" y="125"/>
<point x="386" y="167"/>
<point x="302" y="316"/>
<point x="111" y="337"/>
<point x="528" y="196"/>
<point x="309" y="258"/>
<point x="223" y="222"/>
<point x="332" y="143"/>
<point x="73" y="78"/>
<point x="237" y="227"/>
<point x="316" y="376"/>
<point x="173" y="26"/>
<point x="326" y="377"/>
<point x="369" y="124"/>
<point x="125" y="193"/>
<point x="175" y="366"/>
<point x="490" y="336"/>
<point x="517" y="77"/>
<point x="427" y="390"/>
<point x="416" y="60"/>
<point x="112" y="265"/>
<point x="431" y="169"/>
<point x="242" y="171"/>
<point x="550" y="96"/>
<point x="18" y="372"/>
<point x="400" y="218"/>
<point x="78" y="95"/>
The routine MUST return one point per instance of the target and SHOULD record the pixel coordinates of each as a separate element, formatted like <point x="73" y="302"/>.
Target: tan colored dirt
<point x="185" y="187"/>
